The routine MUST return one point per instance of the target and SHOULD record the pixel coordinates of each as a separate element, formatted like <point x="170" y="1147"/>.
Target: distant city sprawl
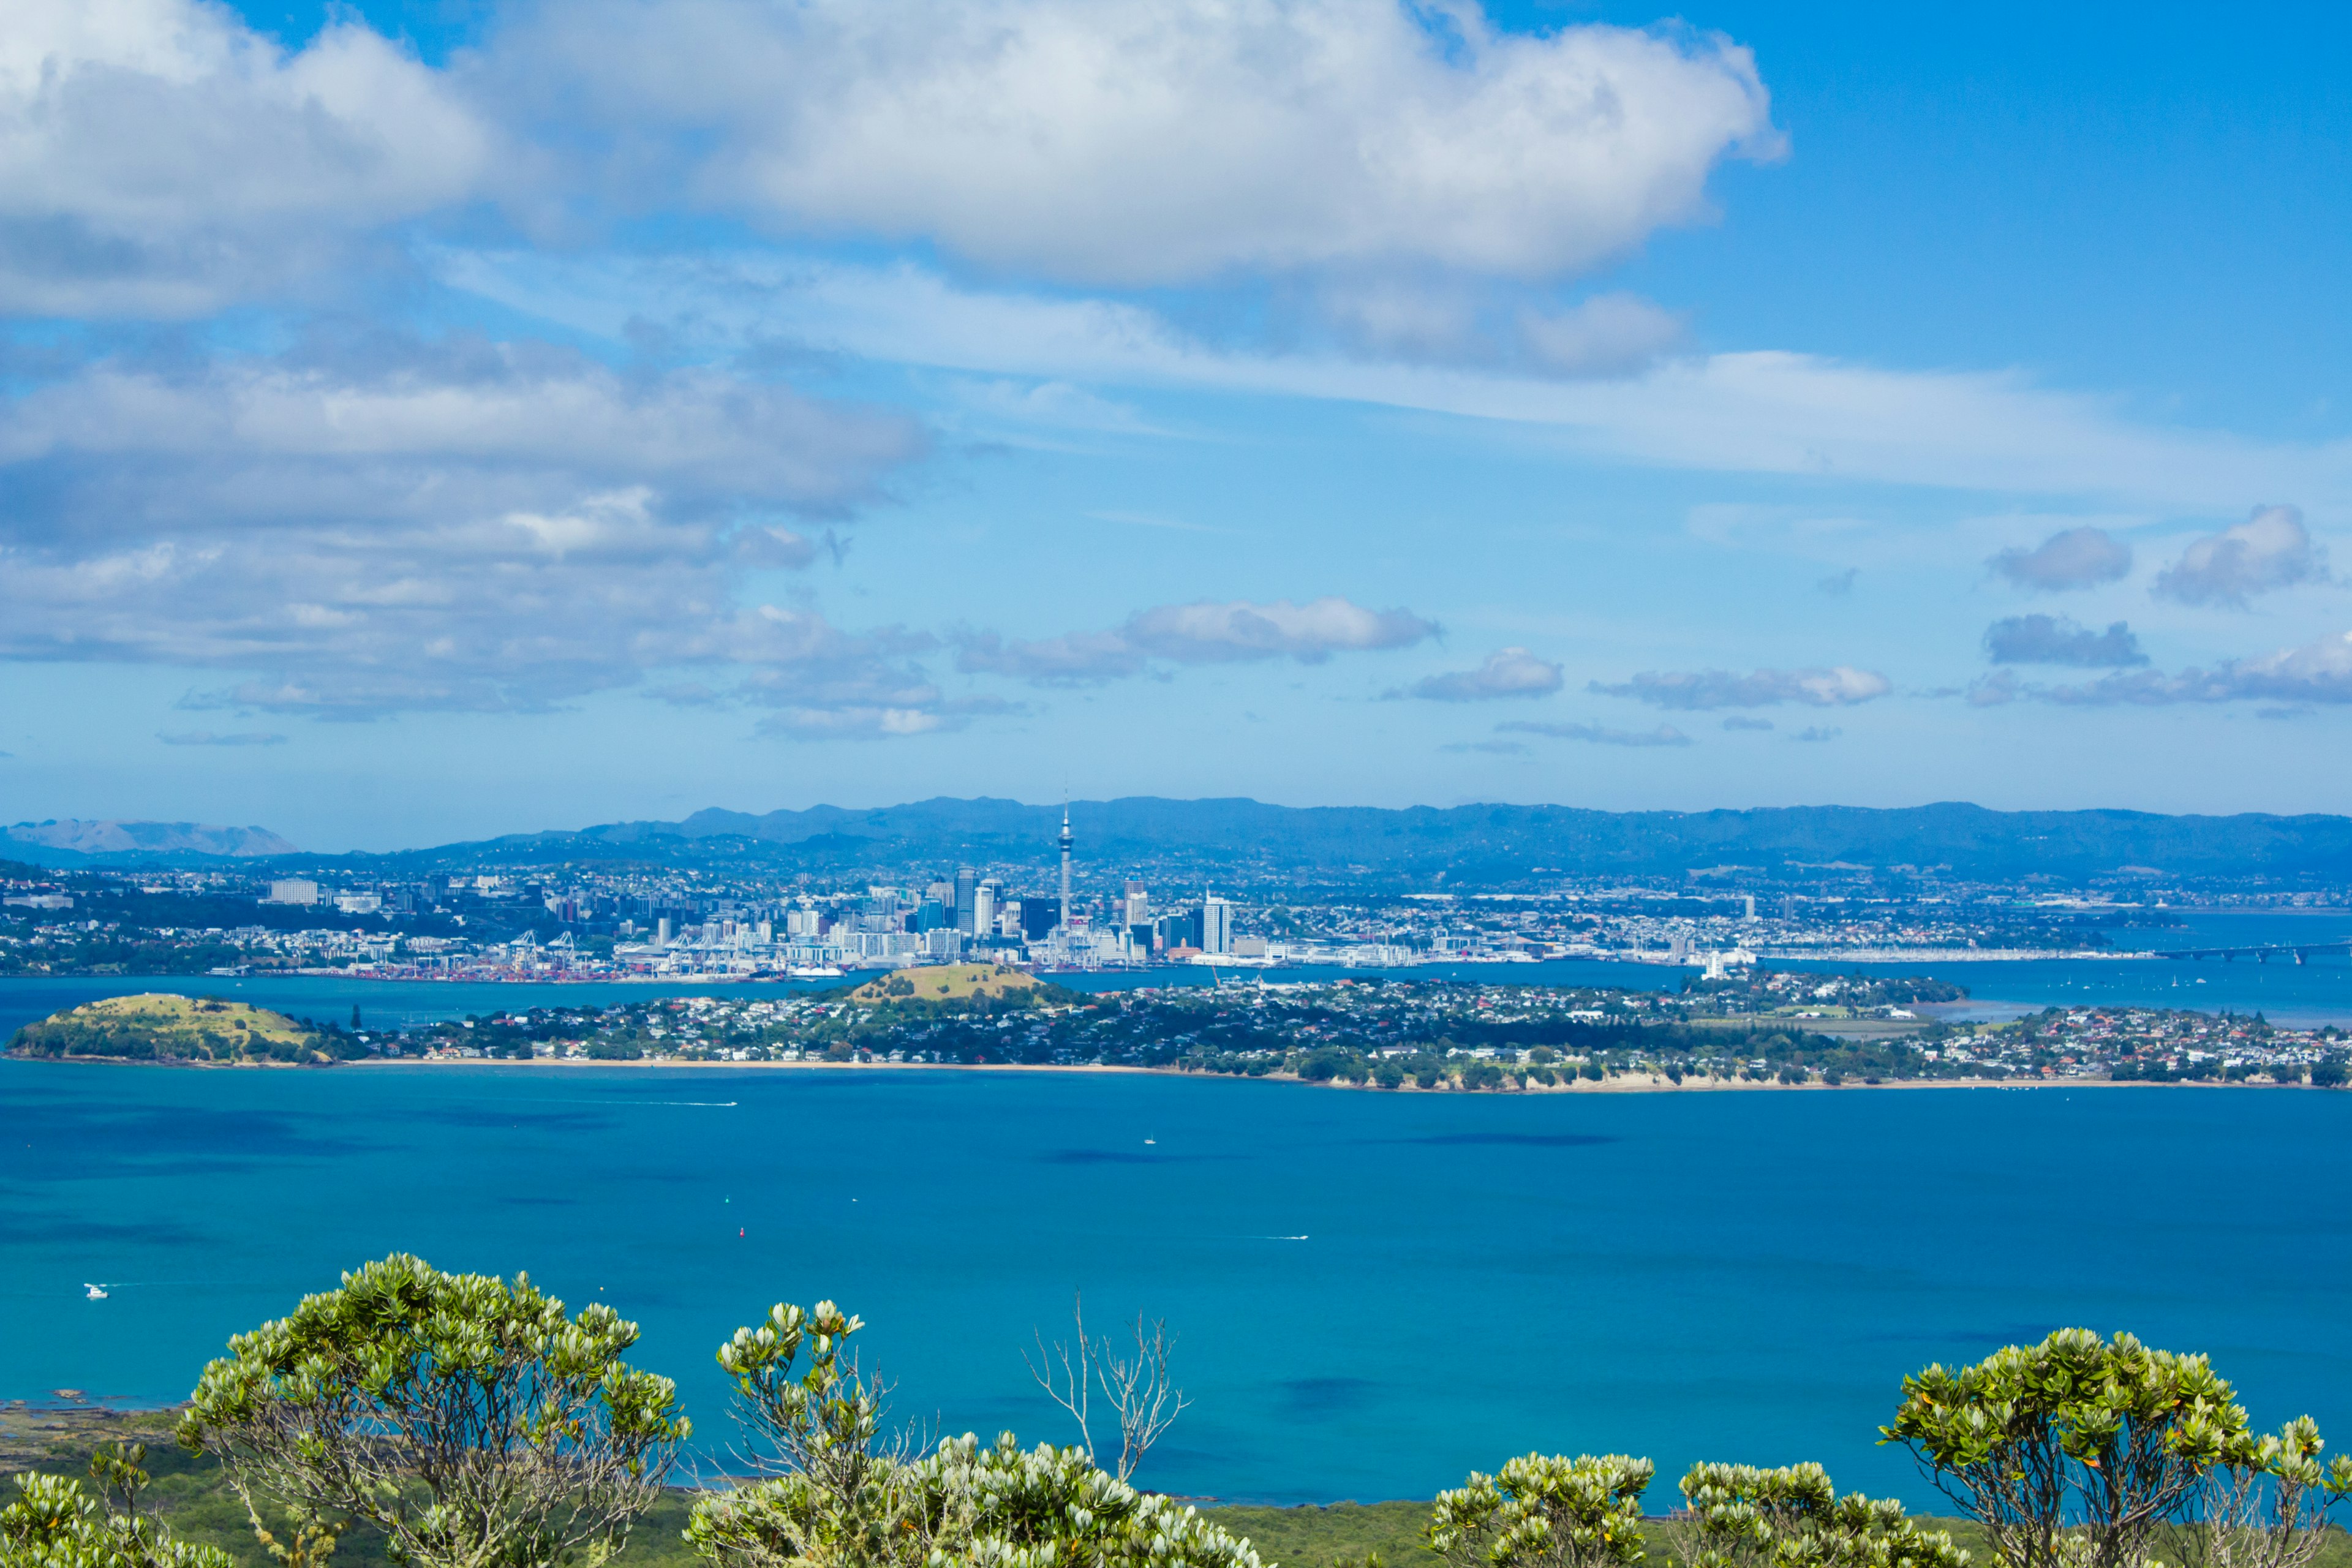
<point x="622" y="920"/>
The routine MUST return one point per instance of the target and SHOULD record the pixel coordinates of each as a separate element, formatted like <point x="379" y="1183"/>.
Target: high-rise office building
<point x="967" y="885"/>
<point x="1138" y="910"/>
<point x="1216" y="924"/>
<point x="983" y="906"/>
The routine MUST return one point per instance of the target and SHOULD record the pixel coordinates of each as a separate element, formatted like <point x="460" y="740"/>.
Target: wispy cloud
<point x="207" y="738"/>
<point x="1507" y="672"/>
<point x="1206" y="632"/>
<point x="1841" y="685"/>
<point x="1597" y="735"/>
<point x="1763" y="412"/>
<point x="2315" y="674"/>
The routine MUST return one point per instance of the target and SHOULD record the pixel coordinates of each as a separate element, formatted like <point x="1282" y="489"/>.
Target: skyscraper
<point x="983" y="907"/>
<point x="1216" y="924"/>
<point x="967" y="883"/>
<point x="1139" y="906"/>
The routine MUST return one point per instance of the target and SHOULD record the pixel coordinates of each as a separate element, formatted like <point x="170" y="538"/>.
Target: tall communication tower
<point x="1065" y="875"/>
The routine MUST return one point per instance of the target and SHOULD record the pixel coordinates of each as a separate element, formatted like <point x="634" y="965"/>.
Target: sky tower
<point x="1066" y="877"/>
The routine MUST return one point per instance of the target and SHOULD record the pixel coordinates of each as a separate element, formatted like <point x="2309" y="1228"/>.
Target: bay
<point x="1375" y="1292"/>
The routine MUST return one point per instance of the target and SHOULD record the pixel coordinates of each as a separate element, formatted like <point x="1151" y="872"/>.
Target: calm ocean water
<point x="1375" y="1292"/>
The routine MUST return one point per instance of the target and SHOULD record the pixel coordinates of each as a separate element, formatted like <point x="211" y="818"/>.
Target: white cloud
<point x="2270" y="550"/>
<point x="473" y="527"/>
<point x="1764" y="412"/>
<point x="2316" y="672"/>
<point x="159" y="158"/>
<point x="1839" y="686"/>
<point x="1508" y="672"/>
<point x="1126" y="142"/>
<point x="2081" y="557"/>
<point x="1207" y="632"/>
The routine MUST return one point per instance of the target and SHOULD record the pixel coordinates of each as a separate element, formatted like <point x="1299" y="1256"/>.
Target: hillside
<point x="1433" y="847"/>
<point x="164" y="1027"/>
<point x="946" y="983"/>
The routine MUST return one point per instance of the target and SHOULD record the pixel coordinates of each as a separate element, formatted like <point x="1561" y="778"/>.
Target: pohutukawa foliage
<point x="2084" y="1453"/>
<point x="841" y="1494"/>
<point x="1738" y="1516"/>
<point x="53" y="1522"/>
<point x="1546" y="1512"/>
<point x="466" y="1416"/>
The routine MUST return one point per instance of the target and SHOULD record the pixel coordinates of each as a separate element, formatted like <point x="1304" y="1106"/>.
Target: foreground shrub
<point x="843" y="1494"/>
<point x="1738" y="1516"/>
<point x="1541" y="1511"/>
<point x="467" y="1418"/>
<point x="53" y="1522"/>
<point x="2084" y="1453"/>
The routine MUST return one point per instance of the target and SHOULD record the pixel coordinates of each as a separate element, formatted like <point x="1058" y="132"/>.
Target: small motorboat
<point x="94" y="1292"/>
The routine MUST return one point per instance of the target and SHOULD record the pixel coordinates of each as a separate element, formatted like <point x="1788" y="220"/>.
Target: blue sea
<point x="1374" y="1292"/>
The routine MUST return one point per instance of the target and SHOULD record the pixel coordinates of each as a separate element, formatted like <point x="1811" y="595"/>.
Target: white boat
<point x="814" y="972"/>
<point x="94" y="1292"/>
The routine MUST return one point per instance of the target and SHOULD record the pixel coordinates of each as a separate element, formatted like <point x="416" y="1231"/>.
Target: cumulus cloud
<point x="1127" y="142"/>
<point x="2316" y="673"/>
<point x="464" y="526"/>
<point x="2269" y="549"/>
<point x="207" y="738"/>
<point x="1595" y="735"/>
<point x="1841" y="685"/>
<point x="1508" y="672"/>
<point x="1206" y="632"/>
<point x="2056" y="639"/>
<point x="160" y="158"/>
<point x="2078" y="558"/>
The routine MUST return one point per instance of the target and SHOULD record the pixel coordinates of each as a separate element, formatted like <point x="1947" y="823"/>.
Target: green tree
<point x="845" y="1495"/>
<point x="2267" y="1505"/>
<point x="53" y="1522"/>
<point x="1546" y="1512"/>
<point x="467" y="1418"/>
<point x="2073" y="1453"/>
<point x="1736" y="1516"/>
<point x="829" y="1495"/>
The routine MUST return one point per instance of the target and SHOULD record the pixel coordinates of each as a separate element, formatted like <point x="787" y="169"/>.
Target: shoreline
<point x="1645" y="1084"/>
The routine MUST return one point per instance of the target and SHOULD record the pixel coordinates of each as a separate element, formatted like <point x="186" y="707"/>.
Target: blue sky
<point x="434" y="420"/>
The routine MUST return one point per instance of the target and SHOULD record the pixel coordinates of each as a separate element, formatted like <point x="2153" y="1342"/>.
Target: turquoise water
<point x="1716" y="1276"/>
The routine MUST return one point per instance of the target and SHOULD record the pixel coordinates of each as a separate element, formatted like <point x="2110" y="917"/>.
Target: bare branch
<point x="1068" y="1382"/>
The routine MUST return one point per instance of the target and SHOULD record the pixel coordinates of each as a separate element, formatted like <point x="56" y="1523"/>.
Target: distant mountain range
<point x="72" y="840"/>
<point x="1422" y="844"/>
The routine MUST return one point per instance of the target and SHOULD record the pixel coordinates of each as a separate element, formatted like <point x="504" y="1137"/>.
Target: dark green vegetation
<point x="460" y="1421"/>
<point x="172" y="1028"/>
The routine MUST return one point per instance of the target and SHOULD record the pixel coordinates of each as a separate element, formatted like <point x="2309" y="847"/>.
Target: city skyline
<point x="425" y="422"/>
